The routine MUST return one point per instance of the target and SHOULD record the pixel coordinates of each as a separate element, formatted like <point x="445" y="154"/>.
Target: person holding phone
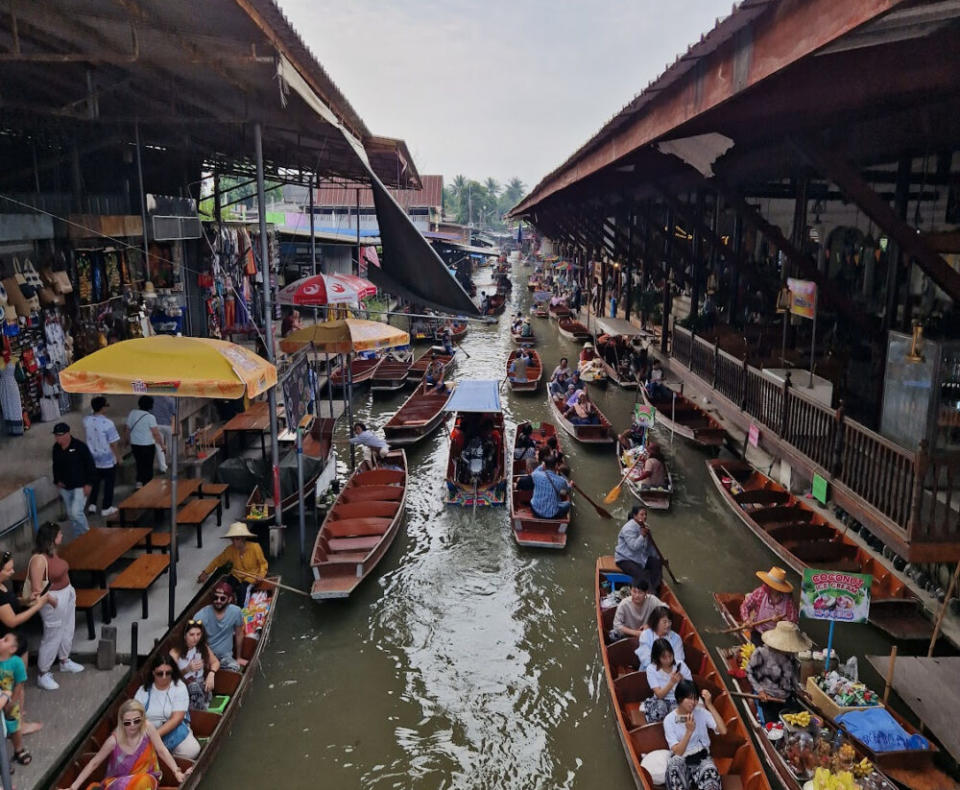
<point x="49" y="574"/>
<point x="686" y="729"/>
<point x="663" y="674"/>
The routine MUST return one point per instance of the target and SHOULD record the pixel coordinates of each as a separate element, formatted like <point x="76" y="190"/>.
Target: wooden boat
<point x="803" y="538"/>
<point x="534" y="373"/>
<point x="651" y="498"/>
<point x="540" y="311"/>
<point x="210" y="728"/>
<point x="362" y="369"/>
<point x="573" y="330"/>
<point x="587" y="434"/>
<point x="559" y="311"/>
<point x="681" y="415"/>
<point x="533" y="283"/>
<point x="419" y="416"/>
<point x="911" y="769"/>
<point x="469" y="481"/>
<point x="523" y="340"/>
<point x="391" y="375"/>
<point x="360" y="527"/>
<point x="734" y="753"/>
<point x="418" y="368"/>
<point x="528" y="528"/>
<point x="590" y="367"/>
<point x="496" y="304"/>
<point x="458" y="329"/>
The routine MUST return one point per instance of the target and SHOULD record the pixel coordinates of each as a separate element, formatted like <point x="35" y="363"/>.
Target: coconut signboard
<point x="835" y="595"/>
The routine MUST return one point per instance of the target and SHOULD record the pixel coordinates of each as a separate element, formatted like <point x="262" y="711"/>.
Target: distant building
<point x="335" y="205"/>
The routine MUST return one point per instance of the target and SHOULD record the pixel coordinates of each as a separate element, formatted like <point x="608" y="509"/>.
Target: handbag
<point x="27" y="593"/>
<point x="178" y="734"/>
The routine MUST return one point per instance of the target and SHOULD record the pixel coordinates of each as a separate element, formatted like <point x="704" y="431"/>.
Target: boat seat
<point x="339" y="545"/>
<point x="782" y="516"/>
<point x="372" y="493"/>
<point x="364" y="509"/>
<point x="731" y="782"/>
<point x="377" y="477"/>
<point x="622" y="656"/>
<point x="761" y="496"/>
<point x="203" y="722"/>
<point x="355" y="527"/>
<point x="342" y="558"/>
<point x="648" y="738"/>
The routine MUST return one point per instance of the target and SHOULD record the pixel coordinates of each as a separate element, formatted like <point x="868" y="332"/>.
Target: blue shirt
<point x="220" y="633"/>
<point x="632" y="545"/>
<point x="547" y="488"/>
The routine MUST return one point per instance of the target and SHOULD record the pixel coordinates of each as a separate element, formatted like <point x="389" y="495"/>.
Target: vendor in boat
<point x="374" y="448"/>
<point x="659" y="626"/>
<point x="635" y="553"/>
<point x="246" y="560"/>
<point x="774" y="671"/>
<point x="690" y="766"/>
<point x="548" y="488"/>
<point x="633" y="612"/>
<point x="634" y="436"/>
<point x="558" y="379"/>
<point x="768" y="604"/>
<point x="654" y="473"/>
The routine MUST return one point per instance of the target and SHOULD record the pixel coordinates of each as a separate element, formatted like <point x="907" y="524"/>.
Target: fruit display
<point x="824" y="779"/>
<point x="821" y="755"/>
<point x="846" y="692"/>
<point x="801" y="719"/>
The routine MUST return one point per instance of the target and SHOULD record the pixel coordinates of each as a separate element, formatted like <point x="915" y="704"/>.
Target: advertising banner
<point x="835" y="595"/>
<point x="803" y="297"/>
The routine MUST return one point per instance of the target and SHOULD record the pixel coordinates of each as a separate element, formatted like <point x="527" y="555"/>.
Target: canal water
<point x="468" y="662"/>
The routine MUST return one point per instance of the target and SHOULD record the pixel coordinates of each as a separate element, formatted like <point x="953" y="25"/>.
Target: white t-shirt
<point x="101" y="433"/>
<point x="163" y="704"/>
<point x="674" y="730"/>
<point x="140" y="422"/>
<point x="657" y="678"/>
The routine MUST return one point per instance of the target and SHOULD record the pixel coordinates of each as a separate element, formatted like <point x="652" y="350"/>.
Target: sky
<point x="497" y="88"/>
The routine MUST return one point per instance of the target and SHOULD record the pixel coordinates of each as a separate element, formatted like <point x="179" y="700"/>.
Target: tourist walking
<point x="144" y="439"/>
<point x="103" y="440"/>
<point x="73" y="474"/>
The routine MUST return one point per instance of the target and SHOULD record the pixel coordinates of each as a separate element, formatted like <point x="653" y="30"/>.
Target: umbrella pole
<point x="329" y="386"/>
<point x="348" y="397"/>
<point x="174" y="553"/>
<point x="302" y="511"/>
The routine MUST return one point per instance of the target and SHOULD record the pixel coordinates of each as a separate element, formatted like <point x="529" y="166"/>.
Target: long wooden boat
<point x="419" y="416"/>
<point x="679" y="414"/>
<point x="590" y="367"/>
<point x="474" y="403"/>
<point x="391" y="375"/>
<point x="534" y="373"/>
<point x="559" y="311"/>
<point x="528" y="528"/>
<point x="362" y="369"/>
<point x="734" y="753"/>
<point x="601" y="433"/>
<point x="360" y="527"/>
<point x="803" y="538"/>
<point x="651" y="498"/>
<point x="573" y="330"/>
<point x="211" y="729"/>
<point x="912" y="769"/>
<point x="458" y="329"/>
<point x="523" y="340"/>
<point x="418" y="368"/>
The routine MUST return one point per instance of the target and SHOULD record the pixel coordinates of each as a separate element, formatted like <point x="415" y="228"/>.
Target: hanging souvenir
<point x="85" y="276"/>
<point x="111" y="266"/>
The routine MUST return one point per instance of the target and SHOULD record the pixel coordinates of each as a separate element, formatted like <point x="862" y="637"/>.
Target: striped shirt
<point x="547" y="488"/>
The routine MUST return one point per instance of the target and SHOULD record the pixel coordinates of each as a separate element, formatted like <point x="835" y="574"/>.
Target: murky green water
<point x="467" y="662"/>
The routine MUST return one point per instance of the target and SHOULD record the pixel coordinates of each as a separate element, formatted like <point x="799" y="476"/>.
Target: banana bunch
<point x="801" y="719"/>
<point x="746" y="650"/>
<point x="863" y="768"/>
<point x="823" y="779"/>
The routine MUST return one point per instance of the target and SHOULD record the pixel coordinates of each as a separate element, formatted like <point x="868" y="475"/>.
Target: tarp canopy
<point x="344" y="336"/>
<point x="617" y="326"/>
<point x="475" y="396"/>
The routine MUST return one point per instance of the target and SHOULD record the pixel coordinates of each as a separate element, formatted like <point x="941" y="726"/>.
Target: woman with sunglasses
<point x="197" y="663"/>
<point x="166" y="701"/>
<point x="134" y="750"/>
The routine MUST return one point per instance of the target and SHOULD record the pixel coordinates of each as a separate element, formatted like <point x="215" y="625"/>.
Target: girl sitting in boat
<point x="664" y="672"/>
<point x="197" y="664"/>
<point x="135" y="750"/>
<point x="686" y="731"/>
<point x="659" y="626"/>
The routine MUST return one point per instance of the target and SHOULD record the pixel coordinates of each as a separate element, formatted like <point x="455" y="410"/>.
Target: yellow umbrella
<point x="344" y="336"/>
<point x="166" y="365"/>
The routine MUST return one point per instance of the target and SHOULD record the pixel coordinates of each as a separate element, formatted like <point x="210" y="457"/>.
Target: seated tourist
<point x="633" y="612"/>
<point x="685" y="729"/>
<point x="518" y="368"/>
<point x="558" y="379"/>
<point x="166" y="701"/>
<point x="581" y="411"/>
<point x="223" y="622"/>
<point x="133" y="752"/>
<point x="548" y="488"/>
<point x="197" y="664"/>
<point x="525" y="446"/>
<point x="434" y="371"/>
<point x="554" y="447"/>
<point x="525" y="329"/>
<point x="248" y="565"/>
<point x="664" y="672"/>
<point x="659" y="626"/>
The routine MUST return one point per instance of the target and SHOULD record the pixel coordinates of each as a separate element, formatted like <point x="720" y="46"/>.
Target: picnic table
<point x="254" y="420"/>
<point x="100" y="547"/>
<point x="155" y="495"/>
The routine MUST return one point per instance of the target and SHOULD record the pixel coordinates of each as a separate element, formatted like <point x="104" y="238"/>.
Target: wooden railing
<point x="936" y="498"/>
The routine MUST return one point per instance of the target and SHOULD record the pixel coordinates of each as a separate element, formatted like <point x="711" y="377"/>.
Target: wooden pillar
<point x="894" y="254"/>
<point x="737" y="246"/>
<point x="628" y="297"/>
<point x="695" y="286"/>
<point x="667" y="299"/>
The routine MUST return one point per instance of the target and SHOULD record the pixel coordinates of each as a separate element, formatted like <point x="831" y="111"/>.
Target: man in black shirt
<point x="73" y="473"/>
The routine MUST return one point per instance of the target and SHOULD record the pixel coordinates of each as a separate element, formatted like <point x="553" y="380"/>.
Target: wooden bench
<point x="87" y="599"/>
<point x="194" y="513"/>
<point x="220" y="490"/>
<point x="138" y="576"/>
<point x="157" y="540"/>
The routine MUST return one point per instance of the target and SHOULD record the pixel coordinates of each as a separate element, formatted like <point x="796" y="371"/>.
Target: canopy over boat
<point x="617" y="326"/>
<point x="475" y="396"/>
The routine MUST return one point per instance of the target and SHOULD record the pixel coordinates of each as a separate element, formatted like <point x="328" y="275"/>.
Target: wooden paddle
<point x="271" y="582"/>
<point x="602" y="512"/>
<point x="664" y="560"/>
<point x="614" y="493"/>
<point x="735" y="628"/>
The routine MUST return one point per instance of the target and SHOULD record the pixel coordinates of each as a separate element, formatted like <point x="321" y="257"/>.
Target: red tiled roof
<point x="335" y="194"/>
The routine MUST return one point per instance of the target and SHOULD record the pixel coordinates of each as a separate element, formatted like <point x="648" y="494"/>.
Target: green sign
<point x="644" y="416"/>
<point x="820" y="489"/>
<point x="835" y="595"/>
<point x="276" y="218"/>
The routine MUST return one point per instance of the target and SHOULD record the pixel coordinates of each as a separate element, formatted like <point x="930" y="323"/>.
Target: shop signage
<point x="139" y="385"/>
<point x="803" y="297"/>
<point x="819" y="489"/>
<point x="834" y="595"/>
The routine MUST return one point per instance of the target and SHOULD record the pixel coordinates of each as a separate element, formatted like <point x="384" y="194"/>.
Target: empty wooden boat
<point x="596" y="433"/>
<point x="210" y="727"/>
<point x="803" y="538"/>
<point x="419" y="416"/>
<point x="651" y="497"/>
<point x="529" y="529"/>
<point x="679" y="414"/>
<point x="530" y="382"/>
<point x="362" y="369"/>
<point x="418" y="368"/>
<point x="477" y="471"/>
<point x="360" y="527"/>
<point x="735" y="755"/>
<point x="391" y="375"/>
<point x="573" y="330"/>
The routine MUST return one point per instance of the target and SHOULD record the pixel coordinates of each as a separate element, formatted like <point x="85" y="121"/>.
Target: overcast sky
<point x="496" y="88"/>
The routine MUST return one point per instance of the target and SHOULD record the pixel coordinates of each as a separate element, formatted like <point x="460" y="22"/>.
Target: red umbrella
<point x="323" y="289"/>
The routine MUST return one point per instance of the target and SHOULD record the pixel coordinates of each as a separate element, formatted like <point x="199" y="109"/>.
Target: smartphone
<point x="46" y="588"/>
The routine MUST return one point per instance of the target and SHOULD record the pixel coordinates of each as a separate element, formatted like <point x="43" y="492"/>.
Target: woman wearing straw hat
<point x="246" y="558"/>
<point x="768" y="604"/>
<point x="773" y="669"/>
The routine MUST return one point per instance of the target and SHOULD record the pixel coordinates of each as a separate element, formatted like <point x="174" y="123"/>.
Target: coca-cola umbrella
<point x="319" y="290"/>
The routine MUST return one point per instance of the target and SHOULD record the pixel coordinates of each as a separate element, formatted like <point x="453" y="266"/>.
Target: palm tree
<point x="513" y="192"/>
<point x="458" y="191"/>
<point x="492" y="186"/>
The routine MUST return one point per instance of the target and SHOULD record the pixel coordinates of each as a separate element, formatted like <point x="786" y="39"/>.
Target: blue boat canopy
<point x="475" y="396"/>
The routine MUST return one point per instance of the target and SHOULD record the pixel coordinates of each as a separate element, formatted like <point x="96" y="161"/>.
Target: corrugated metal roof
<point x="345" y="196"/>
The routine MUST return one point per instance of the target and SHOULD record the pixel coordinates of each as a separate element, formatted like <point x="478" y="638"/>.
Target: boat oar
<point x="664" y="560"/>
<point x="614" y="493"/>
<point x="271" y="582"/>
<point x="601" y="511"/>
<point x="734" y="628"/>
<point x="461" y="348"/>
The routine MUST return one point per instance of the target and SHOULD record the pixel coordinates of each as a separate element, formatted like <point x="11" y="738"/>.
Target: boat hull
<point x="419" y="416"/>
<point x="586" y="434"/>
<point x="688" y="420"/>
<point x="530" y="530"/>
<point x="650" y="498"/>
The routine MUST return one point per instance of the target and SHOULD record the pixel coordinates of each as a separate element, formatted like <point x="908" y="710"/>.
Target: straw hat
<point x="786" y="637"/>
<point x="238" y="530"/>
<point x="776" y="578"/>
<point x="588" y="345"/>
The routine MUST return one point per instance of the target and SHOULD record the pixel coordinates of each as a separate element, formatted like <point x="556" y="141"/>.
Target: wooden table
<point x="100" y="547"/>
<point x="255" y="420"/>
<point x="155" y="495"/>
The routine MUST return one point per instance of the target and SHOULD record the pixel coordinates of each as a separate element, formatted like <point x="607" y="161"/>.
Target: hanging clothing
<point x="10" y="401"/>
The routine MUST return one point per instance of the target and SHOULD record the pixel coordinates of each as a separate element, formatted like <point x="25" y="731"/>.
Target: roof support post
<point x="737" y="250"/>
<point x="668" y="246"/>
<point x="697" y="258"/>
<point x="894" y="253"/>
<point x="628" y="296"/>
